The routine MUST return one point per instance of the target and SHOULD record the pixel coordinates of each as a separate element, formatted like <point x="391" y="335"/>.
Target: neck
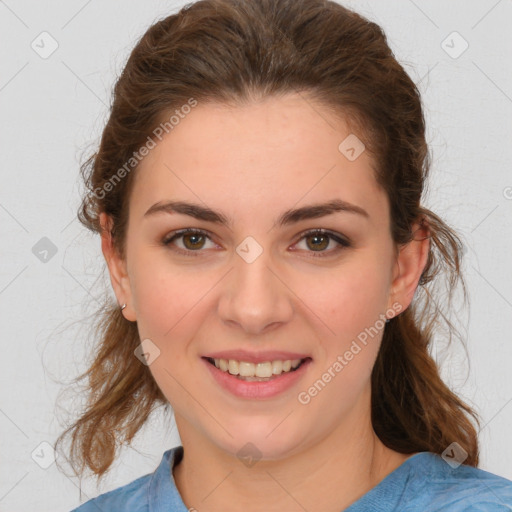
<point x="327" y="475"/>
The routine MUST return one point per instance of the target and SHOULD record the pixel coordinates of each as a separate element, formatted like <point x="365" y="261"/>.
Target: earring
<point x="123" y="306"/>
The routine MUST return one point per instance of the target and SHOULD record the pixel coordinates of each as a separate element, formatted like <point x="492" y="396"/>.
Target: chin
<point x="266" y="439"/>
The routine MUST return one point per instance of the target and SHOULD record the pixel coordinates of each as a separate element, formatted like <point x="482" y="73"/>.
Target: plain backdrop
<point x="52" y="272"/>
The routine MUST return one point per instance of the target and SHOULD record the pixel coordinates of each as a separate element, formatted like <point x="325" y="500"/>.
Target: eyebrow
<point x="288" y="217"/>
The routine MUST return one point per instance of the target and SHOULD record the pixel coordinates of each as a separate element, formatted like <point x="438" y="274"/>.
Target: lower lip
<point x="257" y="389"/>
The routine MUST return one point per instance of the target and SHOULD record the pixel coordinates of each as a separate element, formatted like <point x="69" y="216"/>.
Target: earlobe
<point x="116" y="266"/>
<point x="411" y="261"/>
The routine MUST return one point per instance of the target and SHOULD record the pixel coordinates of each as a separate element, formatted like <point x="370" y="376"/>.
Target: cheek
<point x="352" y="309"/>
<point x="166" y="297"/>
<point x="350" y="298"/>
<point x="169" y="307"/>
<point x="351" y="303"/>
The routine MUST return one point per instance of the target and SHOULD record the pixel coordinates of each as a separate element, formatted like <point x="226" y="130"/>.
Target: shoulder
<point x="442" y="487"/>
<point x="132" y="496"/>
<point x="136" y="495"/>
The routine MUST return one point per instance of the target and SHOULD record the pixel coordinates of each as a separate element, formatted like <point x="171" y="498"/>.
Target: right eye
<point x="192" y="240"/>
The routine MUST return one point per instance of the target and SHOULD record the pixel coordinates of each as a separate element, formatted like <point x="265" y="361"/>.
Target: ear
<point x="409" y="265"/>
<point x="117" y="268"/>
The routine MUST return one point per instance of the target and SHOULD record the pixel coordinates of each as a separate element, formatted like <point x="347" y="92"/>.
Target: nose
<point x="255" y="297"/>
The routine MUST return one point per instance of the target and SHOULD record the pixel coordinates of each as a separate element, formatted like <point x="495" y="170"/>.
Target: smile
<point x="260" y="380"/>
<point x="265" y="369"/>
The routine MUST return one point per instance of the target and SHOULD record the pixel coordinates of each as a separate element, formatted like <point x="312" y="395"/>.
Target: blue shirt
<point x="423" y="482"/>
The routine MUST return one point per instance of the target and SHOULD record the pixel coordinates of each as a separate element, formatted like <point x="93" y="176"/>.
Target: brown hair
<point x="231" y="51"/>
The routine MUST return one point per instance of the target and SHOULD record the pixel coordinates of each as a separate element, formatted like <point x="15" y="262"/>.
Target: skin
<point x="265" y="157"/>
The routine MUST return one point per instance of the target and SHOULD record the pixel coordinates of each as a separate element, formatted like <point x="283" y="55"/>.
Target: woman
<point x="258" y="193"/>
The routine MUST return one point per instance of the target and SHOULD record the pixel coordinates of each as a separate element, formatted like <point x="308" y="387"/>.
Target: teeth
<point x="263" y="369"/>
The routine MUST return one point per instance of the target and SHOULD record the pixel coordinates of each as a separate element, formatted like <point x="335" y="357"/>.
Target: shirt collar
<point x="163" y="494"/>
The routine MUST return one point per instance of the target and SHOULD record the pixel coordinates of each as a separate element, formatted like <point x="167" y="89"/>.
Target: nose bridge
<point x="254" y="297"/>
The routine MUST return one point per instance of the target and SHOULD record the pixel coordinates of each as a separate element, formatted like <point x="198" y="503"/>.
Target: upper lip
<point x="256" y="357"/>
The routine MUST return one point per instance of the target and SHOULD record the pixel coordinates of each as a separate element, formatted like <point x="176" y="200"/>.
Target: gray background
<point x="52" y="112"/>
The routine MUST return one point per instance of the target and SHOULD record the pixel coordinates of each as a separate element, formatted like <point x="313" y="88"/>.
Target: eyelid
<point x="180" y="232"/>
<point x="333" y="234"/>
<point x="342" y="241"/>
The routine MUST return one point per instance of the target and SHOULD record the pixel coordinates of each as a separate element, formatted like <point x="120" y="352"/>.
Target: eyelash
<point x="343" y="243"/>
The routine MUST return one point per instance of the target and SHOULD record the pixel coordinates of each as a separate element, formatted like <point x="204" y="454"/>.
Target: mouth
<point x="259" y="380"/>
<point x="257" y="372"/>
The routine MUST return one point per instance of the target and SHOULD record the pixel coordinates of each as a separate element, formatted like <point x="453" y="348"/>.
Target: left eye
<point x="319" y="239"/>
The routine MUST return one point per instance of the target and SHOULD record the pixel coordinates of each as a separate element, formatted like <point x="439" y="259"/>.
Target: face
<point x="254" y="287"/>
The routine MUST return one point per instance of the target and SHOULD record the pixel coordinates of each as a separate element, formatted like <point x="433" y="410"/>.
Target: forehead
<point x="275" y="153"/>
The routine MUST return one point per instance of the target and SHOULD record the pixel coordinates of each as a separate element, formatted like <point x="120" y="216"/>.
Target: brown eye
<point x="318" y="240"/>
<point x="192" y="241"/>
